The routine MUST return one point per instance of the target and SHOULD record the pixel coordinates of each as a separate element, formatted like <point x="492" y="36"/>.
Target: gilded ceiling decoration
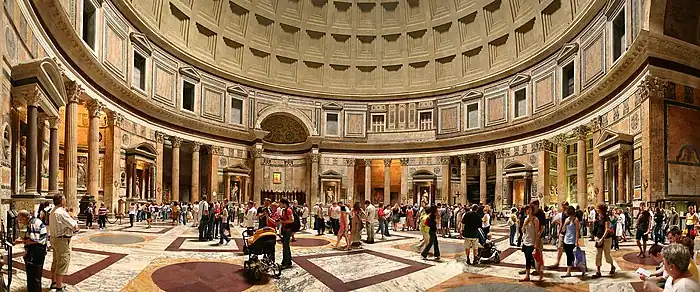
<point x="284" y="129"/>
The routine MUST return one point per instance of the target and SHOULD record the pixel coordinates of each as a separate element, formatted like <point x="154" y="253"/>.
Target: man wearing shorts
<point x="62" y="229"/>
<point x="471" y="222"/>
<point x="643" y="229"/>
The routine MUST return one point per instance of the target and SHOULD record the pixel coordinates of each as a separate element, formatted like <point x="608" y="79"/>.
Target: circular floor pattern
<point x="201" y="276"/>
<point x="117" y="239"/>
<point x="647" y="261"/>
<point x="497" y="287"/>
<point x="310" y="242"/>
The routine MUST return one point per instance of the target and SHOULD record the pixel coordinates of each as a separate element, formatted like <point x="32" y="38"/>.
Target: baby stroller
<point x="488" y="252"/>
<point x="260" y="243"/>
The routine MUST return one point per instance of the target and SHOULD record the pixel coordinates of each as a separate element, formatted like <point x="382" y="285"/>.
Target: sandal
<point x="524" y="280"/>
<point x="567" y="276"/>
<point x="612" y="270"/>
<point x="596" y="276"/>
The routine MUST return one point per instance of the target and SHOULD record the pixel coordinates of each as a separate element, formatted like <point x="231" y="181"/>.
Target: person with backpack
<point x="288" y="222"/>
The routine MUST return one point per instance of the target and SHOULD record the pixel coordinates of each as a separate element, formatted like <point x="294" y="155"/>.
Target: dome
<point x="366" y="49"/>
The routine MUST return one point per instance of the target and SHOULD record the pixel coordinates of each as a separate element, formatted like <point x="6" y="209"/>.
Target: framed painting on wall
<point x="276" y="177"/>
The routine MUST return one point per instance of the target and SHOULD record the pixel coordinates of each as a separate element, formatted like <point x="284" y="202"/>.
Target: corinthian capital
<point x="368" y="162"/>
<point x="257" y="153"/>
<point x="444" y="160"/>
<point x="196" y="146"/>
<point x="560" y="140"/>
<point x="652" y="87"/>
<point x="94" y="108"/>
<point x="387" y="161"/>
<point x="160" y="136"/>
<point x="404" y="161"/>
<point x="315" y="157"/>
<point x="581" y="132"/>
<point x="177" y="141"/>
<point x="73" y="92"/>
<point x="216" y="150"/>
<point x="483" y="156"/>
<point x="350" y="161"/>
<point x="116" y="119"/>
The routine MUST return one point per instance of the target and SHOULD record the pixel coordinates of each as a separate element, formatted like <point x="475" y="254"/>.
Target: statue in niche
<point x="330" y="195"/>
<point x="137" y="187"/>
<point x="7" y="145"/>
<point x="234" y="192"/>
<point x="426" y="197"/>
<point x="81" y="176"/>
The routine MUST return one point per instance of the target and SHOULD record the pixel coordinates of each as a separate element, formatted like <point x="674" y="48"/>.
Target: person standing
<point x="250" y="216"/>
<point x="183" y="212"/>
<point x="470" y="231"/>
<point x="486" y="222"/>
<point x="132" y="214"/>
<point x="604" y="241"/>
<point x="334" y="212"/>
<point x="572" y="232"/>
<point x="63" y="226"/>
<point x="643" y="229"/>
<point x="382" y="220"/>
<point x="102" y="216"/>
<point x="287" y="220"/>
<point x="356" y="224"/>
<point x="531" y="239"/>
<point x="560" y="232"/>
<point x="673" y="219"/>
<point x="592" y="218"/>
<point x="319" y="220"/>
<point x="372" y="220"/>
<point x="432" y="232"/>
<point x="224" y="227"/>
<point x="343" y="231"/>
<point x="513" y="224"/>
<point x="304" y="216"/>
<point x="204" y="219"/>
<point x="659" y="219"/>
<point x="89" y="211"/>
<point x="34" y="241"/>
<point x="195" y="213"/>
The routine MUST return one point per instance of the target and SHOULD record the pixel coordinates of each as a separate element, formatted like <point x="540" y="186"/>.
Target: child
<point x="660" y="275"/>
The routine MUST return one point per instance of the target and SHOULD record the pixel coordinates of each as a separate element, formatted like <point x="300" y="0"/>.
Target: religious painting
<point x="276" y="177"/>
<point x="637" y="173"/>
<point x="572" y="189"/>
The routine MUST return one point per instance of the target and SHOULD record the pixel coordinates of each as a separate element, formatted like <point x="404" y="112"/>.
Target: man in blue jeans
<point x="286" y="221"/>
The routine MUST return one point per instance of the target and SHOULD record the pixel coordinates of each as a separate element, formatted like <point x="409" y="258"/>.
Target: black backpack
<point x="296" y="225"/>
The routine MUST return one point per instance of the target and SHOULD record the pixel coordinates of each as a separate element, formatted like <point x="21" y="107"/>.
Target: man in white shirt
<point x="591" y="220"/>
<point x="315" y="212"/>
<point x="335" y="217"/>
<point x="204" y="219"/>
<point x="371" y="220"/>
<point x="62" y="229"/>
<point x="250" y="216"/>
<point x="195" y="214"/>
<point x="304" y="216"/>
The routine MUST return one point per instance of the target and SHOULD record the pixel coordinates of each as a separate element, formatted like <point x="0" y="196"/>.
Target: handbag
<point x="599" y="244"/>
<point x="580" y="258"/>
<point x="693" y="233"/>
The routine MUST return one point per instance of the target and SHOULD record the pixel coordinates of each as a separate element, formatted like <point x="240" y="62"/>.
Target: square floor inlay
<point x="370" y="268"/>
<point x="194" y="245"/>
<point x="143" y="229"/>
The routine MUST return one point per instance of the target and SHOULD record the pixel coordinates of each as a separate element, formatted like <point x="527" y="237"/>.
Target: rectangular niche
<point x="419" y="73"/>
<point x="232" y="56"/>
<point x="340" y="76"/>
<point x="259" y="63"/>
<point x="341" y="46"/>
<point x="468" y="31"/>
<point x="262" y="30"/>
<point x="318" y="11"/>
<point x="366" y="48"/>
<point x="365" y="77"/>
<point x="525" y="37"/>
<point x="445" y="69"/>
<point x="313" y="74"/>
<point x="366" y="15"/>
<point x="390" y="15"/>
<point x="392" y="46"/>
<point x="237" y="19"/>
<point x="471" y="61"/>
<point x="315" y="43"/>
<point x="442" y="37"/>
<point x="417" y="45"/>
<point x="286" y="69"/>
<point x="288" y="38"/>
<point x="392" y="76"/>
<point x="342" y="17"/>
<point x="498" y="51"/>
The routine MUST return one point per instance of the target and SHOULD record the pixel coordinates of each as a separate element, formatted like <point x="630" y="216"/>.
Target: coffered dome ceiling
<point x="360" y="47"/>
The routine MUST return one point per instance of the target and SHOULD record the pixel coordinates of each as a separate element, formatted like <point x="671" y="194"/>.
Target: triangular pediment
<point x="611" y="7"/>
<point x="472" y="94"/>
<point x="191" y="73"/>
<point x="141" y="41"/>
<point x="608" y="137"/>
<point x="567" y="51"/>
<point x="331" y="173"/>
<point x="519" y="79"/>
<point x="237" y="168"/>
<point x="237" y="89"/>
<point x="333" y="106"/>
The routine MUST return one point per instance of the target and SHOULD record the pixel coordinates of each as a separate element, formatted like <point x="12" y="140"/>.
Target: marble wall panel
<point x="593" y="59"/>
<point x="115" y="47"/>
<point x="355" y="124"/>
<point x="213" y="103"/>
<point x="496" y="109"/>
<point x="164" y="82"/>
<point x="449" y="119"/>
<point x="544" y="92"/>
<point x="683" y="150"/>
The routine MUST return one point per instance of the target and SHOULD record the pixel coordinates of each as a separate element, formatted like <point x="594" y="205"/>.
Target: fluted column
<point x="134" y="182"/>
<point x="258" y="174"/>
<point x="543" y="175"/>
<point x="32" y="100"/>
<point x="527" y="186"/>
<point x="509" y="192"/>
<point x="94" y="108"/>
<point x="387" y="181"/>
<point x="194" y="191"/>
<point x="213" y="184"/>
<point x="350" y="162"/>
<point x="152" y="186"/>
<point x="404" y="180"/>
<point x="160" y="139"/>
<point x="175" y="188"/>
<point x="70" y="145"/>
<point x="41" y="134"/>
<point x="500" y="192"/>
<point x="315" y="194"/>
<point x="581" y="133"/>
<point x="53" y="155"/>
<point x="463" y="179"/>
<point x="368" y="180"/>
<point x="112" y="162"/>
<point x="561" y="142"/>
<point x="445" y="165"/>
<point x="598" y="166"/>
<point x="482" y="177"/>
<point x="621" y="177"/>
<point x="227" y="188"/>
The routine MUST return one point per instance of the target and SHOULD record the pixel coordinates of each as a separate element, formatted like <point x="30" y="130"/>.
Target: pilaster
<point x="70" y="170"/>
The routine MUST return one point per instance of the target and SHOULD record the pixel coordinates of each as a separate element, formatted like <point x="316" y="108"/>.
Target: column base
<point x="26" y="201"/>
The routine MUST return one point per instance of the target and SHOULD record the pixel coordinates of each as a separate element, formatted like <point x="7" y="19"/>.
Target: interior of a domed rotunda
<point x="349" y="145"/>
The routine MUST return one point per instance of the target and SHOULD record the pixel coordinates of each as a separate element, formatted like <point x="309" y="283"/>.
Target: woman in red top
<point x="409" y="218"/>
<point x="343" y="230"/>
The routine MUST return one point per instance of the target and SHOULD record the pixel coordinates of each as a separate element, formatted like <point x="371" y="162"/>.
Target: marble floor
<point x="169" y="258"/>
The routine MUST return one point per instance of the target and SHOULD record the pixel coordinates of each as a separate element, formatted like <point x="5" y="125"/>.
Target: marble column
<point x="404" y="180"/>
<point x="500" y="192"/>
<point x="387" y="181"/>
<point x="509" y="192"/>
<point x="227" y="188"/>
<point x="213" y="184"/>
<point x="70" y="145"/>
<point x="41" y="134"/>
<point x="581" y="133"/>
<point x="350" y="162"/>
<point x="561" y="142"/>
<point x="482" y="177"/>
<point x="152" y="180"/>
<point x="15" y="163"/>
<point x="527" y="186"/>
<point x="445" y="170"/>
<point x="368" y="180"/>
<point x="160" y="139"/>
<point x="112" y="162"/>
<point x="53" y="155"/>
<point x="543" y="147"/>
<point x="194" y="189"/>
<point x="258" y="174"/>
<point x="32" y="141"/>
<point x="288" y="175"/>
<point x="145" y="182"/>
<point x="134" y="182"/>
<point x="621" y="175"/>
<point x="94" y="108"/>
<point x="463" y="179"/>
<point x="315" y="193"/>
<point x="175" y="181"/>
<point x="598" y="166"/>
